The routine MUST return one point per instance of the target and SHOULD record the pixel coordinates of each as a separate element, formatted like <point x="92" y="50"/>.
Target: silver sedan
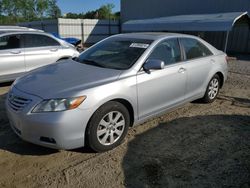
<point x="119" y="82"/>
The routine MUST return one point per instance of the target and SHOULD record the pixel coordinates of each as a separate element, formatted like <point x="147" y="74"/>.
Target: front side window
<point x="36" y="40"/>
<point x="194" y="49"/>
<point x="115" y="53"/>
<point x="168" y="51"/>
<point x="9" y="42"/>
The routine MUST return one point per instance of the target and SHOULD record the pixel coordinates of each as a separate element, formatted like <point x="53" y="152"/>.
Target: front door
<point x="162" y="89"/>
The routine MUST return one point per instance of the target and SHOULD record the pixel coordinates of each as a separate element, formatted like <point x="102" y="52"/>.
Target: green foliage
<point x="41" y="7"/>
<point x="53" y="10"/>
<point x="104" y="12"/>
<point x="12" y="11"/>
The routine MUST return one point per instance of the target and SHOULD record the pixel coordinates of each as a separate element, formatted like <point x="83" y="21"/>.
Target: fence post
<point x="82" y="31"/>
<point x="42" y="24"/>
<point x="109" y="26"/>
<point x="225" y="48"/>
<point x="119" y="25"/>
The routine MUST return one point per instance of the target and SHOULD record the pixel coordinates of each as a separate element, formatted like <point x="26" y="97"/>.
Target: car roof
<point x="11" y="32"/>
<point x="152" y="35"/>
<point x="21" y="31"/>
<point x="5" y="29"/>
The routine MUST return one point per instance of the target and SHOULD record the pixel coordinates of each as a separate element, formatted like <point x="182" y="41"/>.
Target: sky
<point x="79" y="6"/>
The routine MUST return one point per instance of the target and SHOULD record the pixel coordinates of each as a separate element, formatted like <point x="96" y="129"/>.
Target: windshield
<point x="115" y="53"/>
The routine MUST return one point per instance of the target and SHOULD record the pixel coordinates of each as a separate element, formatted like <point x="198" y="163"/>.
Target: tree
<point x="105" y="11"/>
<point x="26" y="9"/>
<point x="90" y="15"/>
<point x="53" y="10"/>
<point x="8" y="7"/>
<point x="117" y="15"/>
<point x="72" y="15"/>
<point x="41" y="7"/>
<point x="1" y="8"/>
<point x="13" y="11"/>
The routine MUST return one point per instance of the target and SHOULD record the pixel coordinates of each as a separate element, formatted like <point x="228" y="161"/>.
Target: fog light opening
<point x="48" y="140"/>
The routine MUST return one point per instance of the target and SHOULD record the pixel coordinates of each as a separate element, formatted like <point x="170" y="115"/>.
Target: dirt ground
<point x="199" y="145"/>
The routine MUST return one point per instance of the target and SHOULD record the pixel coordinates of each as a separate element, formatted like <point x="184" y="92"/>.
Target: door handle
<point x="54" y="50"/>
<point x="212" y="61"/>
<point x="182" y="70"/>
<point x="15" y="52"/>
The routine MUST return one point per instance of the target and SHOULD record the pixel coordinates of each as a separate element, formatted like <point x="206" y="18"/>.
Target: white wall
<point x="88" y="30"/>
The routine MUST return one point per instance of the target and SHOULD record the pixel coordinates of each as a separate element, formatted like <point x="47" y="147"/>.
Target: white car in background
<point x="23" y="49"/>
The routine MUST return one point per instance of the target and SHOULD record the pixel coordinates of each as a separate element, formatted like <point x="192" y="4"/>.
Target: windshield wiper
<point x="91" y="62"/>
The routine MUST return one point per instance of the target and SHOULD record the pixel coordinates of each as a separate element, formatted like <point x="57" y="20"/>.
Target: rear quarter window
<point x="194" y="48"/>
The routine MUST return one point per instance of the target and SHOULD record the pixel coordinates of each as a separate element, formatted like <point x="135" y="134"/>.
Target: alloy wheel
<point x="110" y="128"/>
<point x="213" y="88"/>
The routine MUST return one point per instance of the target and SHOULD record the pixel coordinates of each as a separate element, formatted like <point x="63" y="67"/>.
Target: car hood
<point x="64" y="79"/>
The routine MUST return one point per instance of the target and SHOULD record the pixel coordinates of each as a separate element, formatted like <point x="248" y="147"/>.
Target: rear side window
<point x="33" y="40"/>
<point x="9" y="42"/>
<point x="167" y="51"/>
<point x="194" y="49"/>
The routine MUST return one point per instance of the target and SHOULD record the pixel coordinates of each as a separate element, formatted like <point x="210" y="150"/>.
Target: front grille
<point x="17" y="103"/>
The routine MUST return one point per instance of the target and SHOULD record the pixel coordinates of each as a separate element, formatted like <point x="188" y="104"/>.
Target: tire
<point x="213" y="89"/>
<point x="108" y="126"/>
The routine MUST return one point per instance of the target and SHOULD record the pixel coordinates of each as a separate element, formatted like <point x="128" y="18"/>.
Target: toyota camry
<point x="120" y="82"/>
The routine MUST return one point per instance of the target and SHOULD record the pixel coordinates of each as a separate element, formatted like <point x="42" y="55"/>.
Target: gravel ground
<point x="198" y="145"/>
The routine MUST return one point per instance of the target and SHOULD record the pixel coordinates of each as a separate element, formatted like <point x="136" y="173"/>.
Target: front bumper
<point x="58" y="130"/>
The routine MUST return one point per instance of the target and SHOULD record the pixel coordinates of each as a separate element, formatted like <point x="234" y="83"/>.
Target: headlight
<point x="56" y="105"/>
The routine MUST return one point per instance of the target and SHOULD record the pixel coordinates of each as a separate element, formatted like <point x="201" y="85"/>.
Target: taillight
<point x="227" y="59"/>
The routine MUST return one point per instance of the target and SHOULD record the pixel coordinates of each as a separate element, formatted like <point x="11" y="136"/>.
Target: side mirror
<point x="153" y="64"/>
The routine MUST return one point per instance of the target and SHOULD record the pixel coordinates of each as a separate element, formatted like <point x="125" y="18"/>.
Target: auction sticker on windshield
<point x="139" y="45"/>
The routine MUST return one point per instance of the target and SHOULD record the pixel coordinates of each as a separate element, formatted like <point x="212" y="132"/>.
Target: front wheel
<point x="213" y="89"/>
<point x="108" y="126"/>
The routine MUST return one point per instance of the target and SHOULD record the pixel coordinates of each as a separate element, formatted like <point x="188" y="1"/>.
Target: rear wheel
<point x="108" y="126"/>
<point x="213" y="89"/>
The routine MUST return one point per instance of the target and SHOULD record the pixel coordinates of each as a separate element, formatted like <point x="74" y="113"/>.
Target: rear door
<point x="40" y="50"/>
<point x="162" y="89"/>
<point x="11" y="57"/>
<point x="199" y="61"/>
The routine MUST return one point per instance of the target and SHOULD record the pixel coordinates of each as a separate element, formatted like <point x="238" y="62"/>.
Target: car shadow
<point x="236" y="101"/>
<point x="242" y="57"/>
<point x="199" y="151"/>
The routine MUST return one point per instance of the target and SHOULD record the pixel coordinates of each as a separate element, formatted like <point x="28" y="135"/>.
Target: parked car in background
<point x="119" y="82"/>
<point x="71" y="40"/>
<point x="23" y="49"/>
<point x="74" y="41"/>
